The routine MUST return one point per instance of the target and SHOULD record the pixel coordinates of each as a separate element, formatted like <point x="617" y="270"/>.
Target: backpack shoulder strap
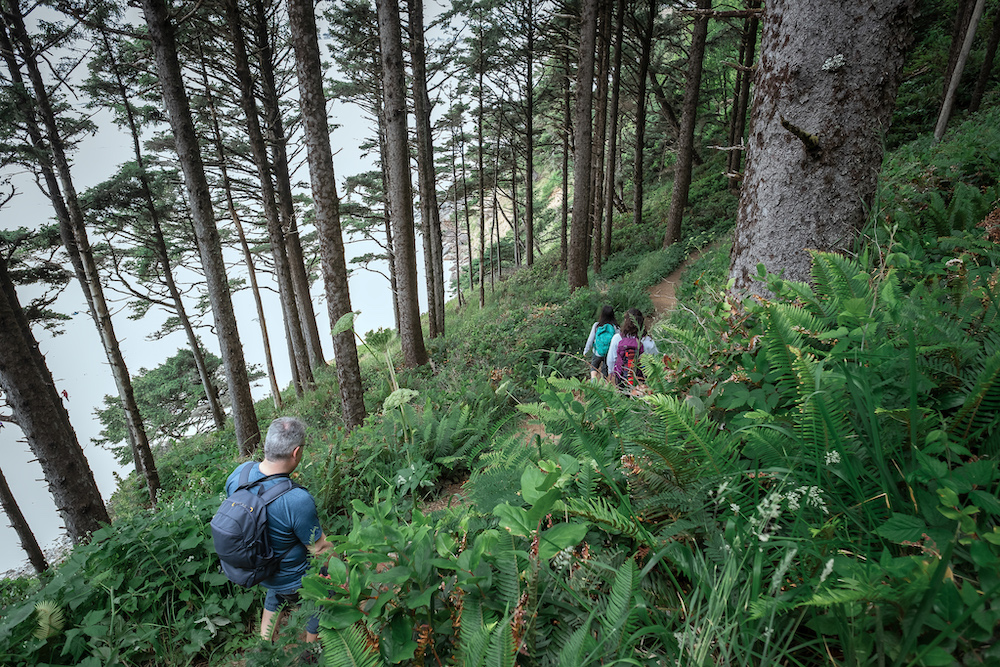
<point x="277" y="490"/>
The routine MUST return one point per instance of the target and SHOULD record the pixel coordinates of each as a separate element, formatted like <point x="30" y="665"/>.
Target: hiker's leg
<point x="272" y="602"/>
<point x="312" y="629"/>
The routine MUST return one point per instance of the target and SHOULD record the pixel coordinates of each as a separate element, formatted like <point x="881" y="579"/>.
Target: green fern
<point x="980" y="410"/>
<point x="618" y="620"/>
<point x="49" y="619"/>
<point x="347" y="648"/>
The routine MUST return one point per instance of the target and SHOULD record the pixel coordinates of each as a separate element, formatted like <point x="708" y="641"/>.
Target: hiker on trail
<point x="625" y="350"/>
<point x="292" y="521"/>
<point x="648" y="344"/>
<point x="604" y="329"/>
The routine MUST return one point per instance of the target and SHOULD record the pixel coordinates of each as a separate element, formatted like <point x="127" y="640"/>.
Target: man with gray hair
<point x="292" y="522"/>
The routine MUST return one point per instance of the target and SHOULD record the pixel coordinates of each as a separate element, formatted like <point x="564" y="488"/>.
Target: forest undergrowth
<point x="810" y="479"/>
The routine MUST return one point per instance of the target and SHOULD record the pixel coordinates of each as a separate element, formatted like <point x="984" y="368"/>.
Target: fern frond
<point x="981" y="406"/>
<point x="347" y="648"/>
<point x="688" y="430"/>
<point x="618" y="618"/>
<point x="838" y="280"/>
<point x="49" y="620"/>
<point x="508" y="582"/>
<point x="598" y="510"/>
<point x="579" y="644"/>
<point x="501" y="650"/>
<point x="476" y="628"/>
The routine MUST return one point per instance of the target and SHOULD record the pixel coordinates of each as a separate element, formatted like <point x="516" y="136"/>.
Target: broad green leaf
<point x="558" y="537"/>
<point x="902" y="528"/>
<point x="514" y="519"/>
<point x="345" y="323"/>
<point x="396" y="641"/>
<point x="399" y="398"/>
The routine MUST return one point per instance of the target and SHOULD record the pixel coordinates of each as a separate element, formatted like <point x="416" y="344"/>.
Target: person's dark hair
<point x="283" y="436"/>
<point x="607" y="316"/>
<point x="629" y="326"/>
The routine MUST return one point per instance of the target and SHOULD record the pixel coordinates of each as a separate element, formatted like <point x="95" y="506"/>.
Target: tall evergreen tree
<point x="161" y="32"/>
<point x="326" y="203"/>
<point x="398" y="171"/>
<point x="576" y="259"/>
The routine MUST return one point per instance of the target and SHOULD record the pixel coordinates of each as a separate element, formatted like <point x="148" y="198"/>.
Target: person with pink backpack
<point x="625" y="350"/>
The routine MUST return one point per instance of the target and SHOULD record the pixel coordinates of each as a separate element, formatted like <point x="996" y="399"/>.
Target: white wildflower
<point x="832" y="458"/>
<point x="735" y="508"/>
<point x="954" y="263"/>
<point x="827" y="569"/>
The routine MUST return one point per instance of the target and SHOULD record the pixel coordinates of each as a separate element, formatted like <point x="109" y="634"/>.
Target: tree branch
<point x="810" y="141"/>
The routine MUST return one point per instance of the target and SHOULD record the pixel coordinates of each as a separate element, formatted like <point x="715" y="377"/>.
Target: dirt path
<point x="662" y="294"/>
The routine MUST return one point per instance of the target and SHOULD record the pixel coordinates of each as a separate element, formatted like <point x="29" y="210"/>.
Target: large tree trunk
<point x="567" y="132"/>
<point x="277" y="143"/>
<point x="430" y="213"/>
<point x="685" y="147"/>
<point x="175" y="99"/>
<point x="208" y="385"/>
<point x="76" y="228"/>
<point x="400" y="189"/>
<point x="17" y="521"/>
<point x="819" y="114"/>
<point x="39" y="411"/>
<point x="326" y="203"/>
<point x="481" y="169"/>
<point x="576" y="260"/>
<point x="276" y="234"/>
<point x="640" y="113"/>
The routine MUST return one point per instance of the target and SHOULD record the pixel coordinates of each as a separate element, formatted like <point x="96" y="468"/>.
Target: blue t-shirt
<point x="292" y="523"/>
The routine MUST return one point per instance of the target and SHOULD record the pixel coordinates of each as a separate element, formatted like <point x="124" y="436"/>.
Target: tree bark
<point x="278" y="148"/>
<point x="609" y="176"/>
<point x="685" y="147"/>
<point x="987" y="66"/>
<point x="90" y="283"/>
<point x="39" y="411"/>
<point x="567" y="132"/>
<point x="576" y="260"/>
<point x="956" y="74"/>
<point x="276" y="234"/>
<point x="20" y="525"/>
<point x="326" y="203"/>
<point x="175" y="99"/>
<point x="748" y="51"/>
<point x="819" y="114"/>
<point x="529" y="138"/>
<point x="430" y="213"/>
<point x="601" y="130"/>
<point x="400" y="193"/>
<point x="640" y="113"/>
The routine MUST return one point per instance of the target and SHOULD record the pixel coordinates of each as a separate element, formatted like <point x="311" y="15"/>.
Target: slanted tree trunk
<point x="468" y="217"/>
<point x="737" y="128"/>
<point x="39" y="411"/>
<point x="956" y="74"/>
<point x="160" y="244"/>
<point x="600" y="130"/>
<point x="567" y="133"/>
<point x="400" y="193"/>
<point x="227" y="189"/>
<point x="17" y="521"/>
<point x="685" y="148"/>
<point x="576" y="260"/>
<point x="161" y="33"/>
<point x="481" y="169"/>
<point x="987" y="66"/>
<point x="430" y="213"/>
<point x="646" y="38"/>
<point x="41" y="107"/>
<point x="326" y="203"/>
<point x="276" y="234"/>
<point x="612" y="168"/>
<point x="277" y="143"/>
<point x="815" y="152"/>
